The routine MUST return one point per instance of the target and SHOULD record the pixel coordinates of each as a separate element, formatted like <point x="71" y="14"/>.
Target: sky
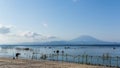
<point x="46" y="20"/>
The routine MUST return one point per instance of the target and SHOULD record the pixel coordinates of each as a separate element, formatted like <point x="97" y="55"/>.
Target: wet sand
<point x="22" y="63"/>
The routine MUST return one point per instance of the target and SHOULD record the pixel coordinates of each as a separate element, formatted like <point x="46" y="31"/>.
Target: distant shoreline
<point x="67" y="45"/>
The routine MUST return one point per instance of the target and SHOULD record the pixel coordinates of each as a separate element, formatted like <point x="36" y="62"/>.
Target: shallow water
<point x="72" y="50"/>
<point x="10" y="51"/>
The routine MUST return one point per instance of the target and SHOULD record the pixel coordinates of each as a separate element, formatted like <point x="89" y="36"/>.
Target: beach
<point x="24" y="63"/>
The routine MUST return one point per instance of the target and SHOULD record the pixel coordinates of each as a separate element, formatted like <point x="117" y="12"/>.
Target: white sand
<point x="21" y="63"/>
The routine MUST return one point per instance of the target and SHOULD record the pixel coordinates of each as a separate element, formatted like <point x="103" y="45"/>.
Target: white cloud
<point x="28" y="37"/>
<point x="25" y="37"/>
<point x="32" y="35"/>
<point x="36" y="36"/>
<point x="51" y="37"/>
<point x="5" y="29"/>
<point x="7" y="36"/>
<point x="45" y="25"/>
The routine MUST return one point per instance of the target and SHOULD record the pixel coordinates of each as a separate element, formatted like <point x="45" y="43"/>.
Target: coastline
<point x="24" y="63"/>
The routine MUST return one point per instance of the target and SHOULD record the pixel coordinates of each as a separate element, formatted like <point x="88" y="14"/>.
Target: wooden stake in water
<point x="62" y="55"/>
<point x="57" y="54"/>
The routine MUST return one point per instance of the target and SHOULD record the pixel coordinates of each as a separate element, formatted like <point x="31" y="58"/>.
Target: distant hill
<point x="87" y="40"/>
<point x="45" y="43"/>
<point x="84" y="40"/>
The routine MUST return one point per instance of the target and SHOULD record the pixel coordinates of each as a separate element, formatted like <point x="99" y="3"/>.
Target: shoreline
<point x="24" y="63"/>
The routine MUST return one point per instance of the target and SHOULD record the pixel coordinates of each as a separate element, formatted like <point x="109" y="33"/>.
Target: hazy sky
<point x="42" y="20"/>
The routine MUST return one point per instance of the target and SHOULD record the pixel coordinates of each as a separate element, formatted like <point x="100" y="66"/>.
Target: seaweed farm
<point x="90" y="55"/>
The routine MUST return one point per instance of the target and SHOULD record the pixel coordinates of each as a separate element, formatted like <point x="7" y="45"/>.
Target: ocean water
<point x="73" y="51"/>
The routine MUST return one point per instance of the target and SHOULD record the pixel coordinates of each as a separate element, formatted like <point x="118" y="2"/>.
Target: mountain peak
<point x="85" y="38"/>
